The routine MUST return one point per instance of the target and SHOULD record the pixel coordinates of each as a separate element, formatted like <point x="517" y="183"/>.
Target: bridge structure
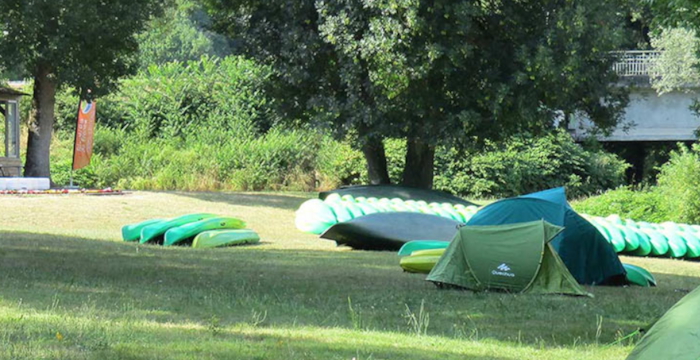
<point x="649" y="117"/>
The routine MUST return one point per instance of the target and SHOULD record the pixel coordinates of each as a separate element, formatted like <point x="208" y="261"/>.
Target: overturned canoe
<point x="154" y="231"/>
<point x="132" y="232"/>
<point x="184" y="232"/>
<point x="219" y="238"/>
<point x="389" y="231"/>
<point x="639" y="276"/>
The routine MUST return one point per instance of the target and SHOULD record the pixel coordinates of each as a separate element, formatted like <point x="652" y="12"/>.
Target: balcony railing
<point x="635" y="62"/>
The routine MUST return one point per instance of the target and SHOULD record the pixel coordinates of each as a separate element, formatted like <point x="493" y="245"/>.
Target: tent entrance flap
<point x="507" y="259"/>
<point x="514" y="258"/>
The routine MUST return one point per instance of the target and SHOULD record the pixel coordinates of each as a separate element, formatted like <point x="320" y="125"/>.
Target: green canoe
<point x="421" y="261"/>
<point x="631" y="238"/>
<point x="644" y="248"/>
<point x="132" y="232"/>
<point x="184" y="232"/>
<point x="417" y="245"/>
<point x="659" y="243"/>
<point x="151" y="232"/>
<point x="676" y="244"/>
<point x="218" y="238"/>
<point x="639" y="276"/>
<point x="692" y="242"/>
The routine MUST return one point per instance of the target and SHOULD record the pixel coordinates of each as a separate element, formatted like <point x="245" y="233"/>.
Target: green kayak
<point x="184" y="232"/>
<point x="676" y="244"/>
<point x="152" y="232"/>
<point x="218" y="238"/>
<point x="644" y="248"/>
<point x="639" y="276"/>
<point x="659" y="243"/>
<point x="421" y="261"/>
<point x="132" y="232"/>
<point x="417" y="245"/>
<point x="692" y="242"/>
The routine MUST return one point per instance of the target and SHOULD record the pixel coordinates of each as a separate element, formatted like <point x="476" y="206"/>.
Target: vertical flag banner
<point x="82" y="150"/>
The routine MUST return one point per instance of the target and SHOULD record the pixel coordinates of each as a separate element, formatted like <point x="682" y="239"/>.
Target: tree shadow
<point x="305" y="288"/>
<point x="279" y="201"/>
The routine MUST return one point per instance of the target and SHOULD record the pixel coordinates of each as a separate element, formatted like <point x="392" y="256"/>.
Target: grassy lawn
<point x="70" y="289"/>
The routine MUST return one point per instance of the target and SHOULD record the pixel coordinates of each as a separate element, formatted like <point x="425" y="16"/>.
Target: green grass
<point x="69" y="289"/>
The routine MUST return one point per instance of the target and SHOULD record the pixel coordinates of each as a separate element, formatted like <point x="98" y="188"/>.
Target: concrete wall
<point x="651" y="118"/>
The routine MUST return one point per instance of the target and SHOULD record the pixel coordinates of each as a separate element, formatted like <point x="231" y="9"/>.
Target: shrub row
<point x="676" y="197"/>
<point x="206" y="125"/>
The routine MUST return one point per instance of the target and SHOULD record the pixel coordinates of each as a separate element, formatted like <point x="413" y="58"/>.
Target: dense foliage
<point x="675" y="198"/>
<point x="639" y="205"/>
<point x="202" y="125"/>
<point x="679" y="183"/>
<point x="180" y="34"/>
<point x="526" y="163"/>
<point x="430" y="72"/>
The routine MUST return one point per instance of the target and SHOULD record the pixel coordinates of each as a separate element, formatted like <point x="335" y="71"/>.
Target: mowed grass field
<point x="70" y="289"/>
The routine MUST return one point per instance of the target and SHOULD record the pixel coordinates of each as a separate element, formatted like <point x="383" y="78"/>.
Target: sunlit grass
<point x="70" y="289"/>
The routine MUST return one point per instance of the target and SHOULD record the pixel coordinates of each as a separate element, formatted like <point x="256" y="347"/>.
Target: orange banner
<point x="83" y="135"/>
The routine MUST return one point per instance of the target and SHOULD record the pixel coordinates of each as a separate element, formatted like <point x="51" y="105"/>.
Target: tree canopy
<point x="87" y="46"/>
<point x="180" y="34"/>
<point x="432" y="71"/>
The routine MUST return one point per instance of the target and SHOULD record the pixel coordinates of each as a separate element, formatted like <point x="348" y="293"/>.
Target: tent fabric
<point x="675" y="335"/>
<point x="514" y="258"/>
<point x="582" y="248"/>
<point x="395" y="191"/>
<point x="390" y="231"/>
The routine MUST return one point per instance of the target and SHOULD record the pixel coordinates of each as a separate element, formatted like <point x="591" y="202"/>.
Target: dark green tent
<point x="582" y="248"/>
<point x="515" y="258"/>
<point x="675" y="335"/>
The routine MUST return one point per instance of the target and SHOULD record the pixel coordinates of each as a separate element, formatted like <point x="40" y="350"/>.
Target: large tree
<point x="432" y="72"/>
<point x="180" y="34"/>
<point x="84" y="45"/>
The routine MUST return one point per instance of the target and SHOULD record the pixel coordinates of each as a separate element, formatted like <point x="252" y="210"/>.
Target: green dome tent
<point x="582" y="248"/>
<point x="675" y="335"/>
<point x="515" y="258"/>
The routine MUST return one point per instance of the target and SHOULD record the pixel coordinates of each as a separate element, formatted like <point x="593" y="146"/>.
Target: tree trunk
<point x="373" y="149"/>
<point x="418" y="171"/>
<point x="41" y="125"/>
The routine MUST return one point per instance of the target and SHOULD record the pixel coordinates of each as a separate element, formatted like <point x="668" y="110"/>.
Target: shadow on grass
<point x="302" y="288"/>
<point x="239" y="342"/>
<point x="286" y="202"/>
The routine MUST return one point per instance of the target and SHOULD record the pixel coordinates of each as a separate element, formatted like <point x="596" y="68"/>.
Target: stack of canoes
<point x="636" y="238"/>
<point x="200" y="230"/>
<point x="316" y="216"/>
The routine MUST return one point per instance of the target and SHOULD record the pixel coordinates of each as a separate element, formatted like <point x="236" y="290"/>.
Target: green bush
<point x="524" y="164"/>
<point x="679" y="184"/>
<point x="176" y="99"/>
<point x="643" y="205"/>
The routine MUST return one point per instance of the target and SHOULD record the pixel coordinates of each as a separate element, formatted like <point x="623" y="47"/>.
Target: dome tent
<point x="515" y="258"/>
<point x="674" y="336"/>
<point x="582" y="248"/>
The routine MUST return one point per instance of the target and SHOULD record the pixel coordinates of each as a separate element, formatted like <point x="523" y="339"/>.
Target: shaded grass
<point x="293" y="296"/>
